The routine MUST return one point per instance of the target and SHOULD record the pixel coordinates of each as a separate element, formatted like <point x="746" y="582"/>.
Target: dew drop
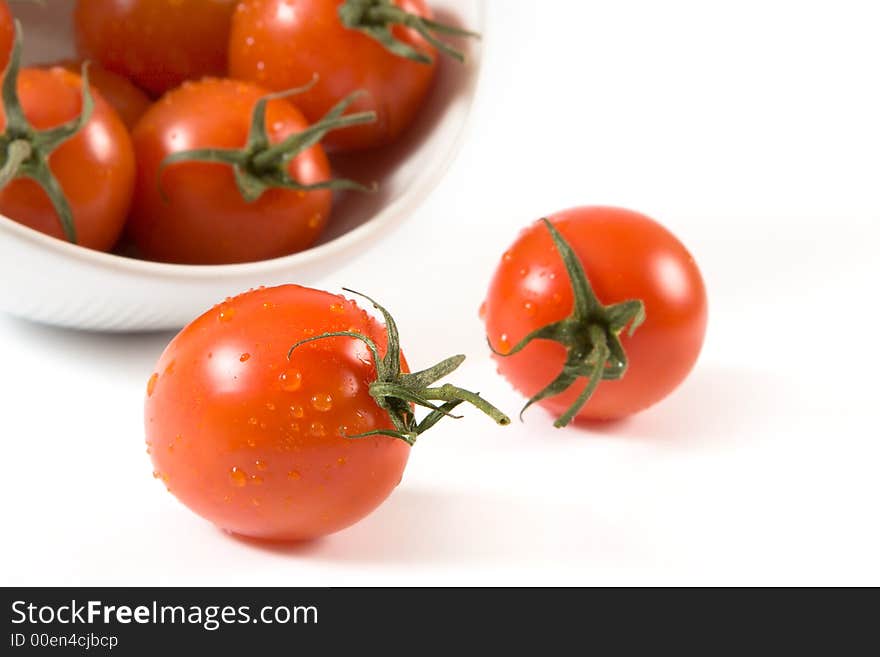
<point x="530" y="309"/>
<point x="315" y="220"/>
<point x="226" y="313"/>
<point x="261" y="465"/>
<point x="317" y="429"/>
<point x="322" y="402"/>
<point x="253" y="421"/>
<point x="337" y="308"/>
<point x="256" y="479"/>
<point x="340" y="460"/>
<point x="291" y="380"/>
<point x="251" y="442"/>
<point x="270" y="406"/>
<point x="244" y="358"/>
<point x="507" y="257"/>
<point x="523" y="271"/>
<point x="297" y="411"/>
<point x="238" y="477"/>
<point x="151" y="384"/>
<point x="504" y="343"/>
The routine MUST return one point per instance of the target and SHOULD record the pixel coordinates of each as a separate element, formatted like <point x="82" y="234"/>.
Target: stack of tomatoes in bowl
<point x="210" y="145"/>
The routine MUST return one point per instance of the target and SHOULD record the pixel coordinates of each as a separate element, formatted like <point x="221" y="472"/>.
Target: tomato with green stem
<point x="287" y="413"/>
<point x="129" y="101"/>
<point x="596" y="313"/>
<point x="230" y="173"/>
<point x="66" y="160"/>
<point x="158" y="45"/>
<point x="389" y="49"/>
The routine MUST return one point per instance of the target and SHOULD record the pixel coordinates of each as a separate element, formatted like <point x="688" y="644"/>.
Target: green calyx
<point x="590" y="335"/>
<point x="261" y="165"/>
<point x="375" y="18"/>
<point x="396" y="392"/>
<point x="25" y="151"/>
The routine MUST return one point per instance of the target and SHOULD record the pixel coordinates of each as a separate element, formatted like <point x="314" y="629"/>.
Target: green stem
<point x="17" y="153"/>
<point x="376" y="18"/>
<point x="397" y="393"/>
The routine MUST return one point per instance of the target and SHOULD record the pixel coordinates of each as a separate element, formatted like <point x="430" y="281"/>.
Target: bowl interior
<point x="406" y="172"/>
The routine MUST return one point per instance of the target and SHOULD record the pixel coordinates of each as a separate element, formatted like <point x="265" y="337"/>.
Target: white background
<point x="750" y="129"/>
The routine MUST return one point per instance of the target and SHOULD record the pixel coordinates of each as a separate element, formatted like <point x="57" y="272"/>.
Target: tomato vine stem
<point x="396" y="392"/>
<point x="25" y="151"/>
<point x="261" y="165"/>
<point x="375" y="18"/>
<point x="590" y="335"/>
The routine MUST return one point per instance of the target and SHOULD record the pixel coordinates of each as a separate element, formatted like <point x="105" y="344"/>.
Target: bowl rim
<point x="419" y="192"/>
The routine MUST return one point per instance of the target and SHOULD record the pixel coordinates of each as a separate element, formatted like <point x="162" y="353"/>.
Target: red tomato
<point x="156" y="44"/>
<point x="281" y="44"/>
<point x="626" y="256"/>
<point x="253" y="436"/>
<point x="127" y="99"/>
<point x="7" y="34"/>
<point x="95" y="168"/>
<point x="202" y="217"/>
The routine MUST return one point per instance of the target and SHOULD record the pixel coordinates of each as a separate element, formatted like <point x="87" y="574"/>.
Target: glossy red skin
<point x="7" y="34"/>
<point x="157" y="44"/>
<point x="122" y="94"/>
<point x="626" y="255"/>
<point x="281" y="44"/>
<point x="204" y="219"/>
<point x="217" y="402"/>
<point x="95" y="168"/>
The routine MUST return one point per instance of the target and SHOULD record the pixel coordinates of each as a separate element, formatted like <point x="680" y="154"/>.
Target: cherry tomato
<point x="627" y="257"/>
<point x="253" y="431"/>
<point x="7" y="33"/>
<point x="156" y="43"/>
<point x="280" y="44"/>
<point x="127" y="99"/>
<point x="198" y="215"/>
<point x="95" y="168"/>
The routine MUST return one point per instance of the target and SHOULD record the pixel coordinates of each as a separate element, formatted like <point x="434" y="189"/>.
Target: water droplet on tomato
<point x="291" y="380"/>
<point x="151" y="384"/>
<point x="256" y="479"/>
<point x="337" y="308"/>
<point x="251" y="442"/>
<point x="294" y="475"/>
<point x="244" y="358"/>
<point x="322" y="402"/>
<point x="507" y="257"/>
<point x="253" y="421"/>
<point x="270" y="406"/>
<point x="297" y="411"/>
<point x="530" y="309"/>
<point x="340" y="460"/>
<point x="315" y="220"/>
<point x="504" y="343"/>
<point x="238" y="477"/>
<point x="261" y="465"/>
<point x="226" y="313"/>
<point x="317" y="429"/>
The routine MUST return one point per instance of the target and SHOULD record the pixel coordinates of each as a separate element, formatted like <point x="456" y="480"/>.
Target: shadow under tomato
<point x="714" y="405"/>
<point x="424" y="527"/>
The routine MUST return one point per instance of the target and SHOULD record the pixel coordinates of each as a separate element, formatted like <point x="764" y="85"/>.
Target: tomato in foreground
<point x="258" y="433"/>
<point x="387" y="48"/>
<point x="127" y="99"/>
<point x="629" y="341"/>
<point x="229" y="174"/>
<point x="7" y="33"/>
<point x="158" y="45"/>
<point x="68" y="165"/>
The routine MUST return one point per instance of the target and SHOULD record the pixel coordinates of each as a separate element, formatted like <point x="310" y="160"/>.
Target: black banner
<point x="331" y="621"/>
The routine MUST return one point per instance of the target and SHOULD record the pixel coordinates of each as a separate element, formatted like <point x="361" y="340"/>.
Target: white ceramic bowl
<point x="50" y="281"/>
